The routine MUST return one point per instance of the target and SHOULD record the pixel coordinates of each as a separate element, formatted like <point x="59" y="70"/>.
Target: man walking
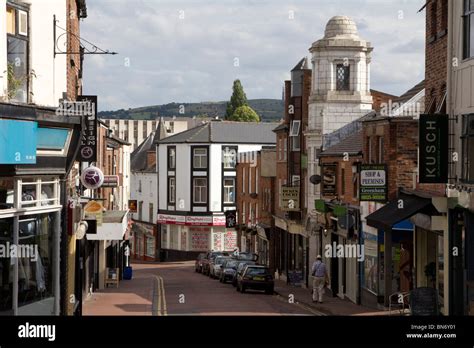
<point x="320" y="274"/>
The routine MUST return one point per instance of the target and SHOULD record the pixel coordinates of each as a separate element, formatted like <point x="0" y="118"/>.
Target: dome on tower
<point x="341" y="26"/>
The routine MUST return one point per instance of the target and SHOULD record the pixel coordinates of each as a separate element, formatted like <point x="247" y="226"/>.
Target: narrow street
<point x="185" y="293"/>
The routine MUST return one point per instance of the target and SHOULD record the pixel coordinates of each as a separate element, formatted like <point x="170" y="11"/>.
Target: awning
<point x="404" y="207"/>
<point x="114" y="226"/>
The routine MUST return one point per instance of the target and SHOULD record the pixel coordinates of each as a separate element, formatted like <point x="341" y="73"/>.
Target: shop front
<point x="183" y="237"/>
<point x="460" y="265"/>
<point x="143" y="241"/>
<point x="408" y="255"/>
<point x="29" y="247"/>
<point x="37" y="150"/>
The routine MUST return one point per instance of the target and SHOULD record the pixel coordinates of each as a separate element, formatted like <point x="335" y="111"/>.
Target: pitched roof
<point x="302" y="65"/>
<point x="226" y="132"/>
<point x="139" y="157"/>
<point x="352" y="144"/>
<point x="410" y="93"/>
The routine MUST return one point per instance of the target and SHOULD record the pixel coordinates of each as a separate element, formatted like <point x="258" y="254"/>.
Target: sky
<point x="191" y="51"/>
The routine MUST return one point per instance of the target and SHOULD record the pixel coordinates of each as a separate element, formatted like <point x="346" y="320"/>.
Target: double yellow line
<point x="159" y="297"/>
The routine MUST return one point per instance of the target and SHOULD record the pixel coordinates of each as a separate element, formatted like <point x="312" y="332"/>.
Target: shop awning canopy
<point x="404" y="207"/>
<point x="113" y="227"/>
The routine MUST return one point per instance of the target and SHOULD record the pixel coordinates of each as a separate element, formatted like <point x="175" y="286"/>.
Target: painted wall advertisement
<point x="373" y="182"/>
<point x="199" y="238"/>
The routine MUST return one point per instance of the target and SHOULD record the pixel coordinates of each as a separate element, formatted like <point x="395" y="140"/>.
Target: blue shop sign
<point x="18" y="141"/>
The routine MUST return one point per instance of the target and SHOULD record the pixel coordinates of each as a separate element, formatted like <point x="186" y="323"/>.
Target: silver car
<point x="216" y="267"/>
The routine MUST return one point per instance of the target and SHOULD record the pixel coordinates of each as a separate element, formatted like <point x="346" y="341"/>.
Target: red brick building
<point x="256" y="188"/>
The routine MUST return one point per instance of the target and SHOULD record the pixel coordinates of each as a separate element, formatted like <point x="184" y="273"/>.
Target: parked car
<point x="255" y="277"/>
<point x="229" y="268"/>
<point x="247" y="256"/>
<point x="199" y="262"/>
<point x="210" y="258"/>
<point x="240" y="268"/>
<point x="215" y="270"/>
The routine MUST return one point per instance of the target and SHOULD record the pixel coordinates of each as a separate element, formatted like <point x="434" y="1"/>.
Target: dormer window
<point x="342" y="77"/>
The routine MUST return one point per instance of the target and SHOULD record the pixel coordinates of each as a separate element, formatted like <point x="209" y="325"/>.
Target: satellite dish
<point x="315" y="179"/>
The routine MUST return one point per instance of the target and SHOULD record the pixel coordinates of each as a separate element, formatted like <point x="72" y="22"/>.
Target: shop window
<point x="468" y="29"/>
<point x="150" y="247"/>
<point x="6" y="193"/>
<point x="38" y="192"/>
<point x="35" y="269"/>
<point x="6" y="268"/>
<point x="467" y="140"/>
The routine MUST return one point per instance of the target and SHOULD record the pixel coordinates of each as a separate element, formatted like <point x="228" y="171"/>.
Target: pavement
<point x="174" y="288"/>
<point x="333" y="306"/>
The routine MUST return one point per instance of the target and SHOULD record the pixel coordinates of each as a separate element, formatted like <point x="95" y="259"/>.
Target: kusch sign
<point x="433" y="138"/>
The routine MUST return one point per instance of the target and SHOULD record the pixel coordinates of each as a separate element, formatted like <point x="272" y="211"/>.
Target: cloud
<point x="186" y="50"/>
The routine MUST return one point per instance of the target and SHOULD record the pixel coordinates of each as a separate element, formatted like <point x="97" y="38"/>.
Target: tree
<point x="237" y="99"/>
<point x="245" y="114"/>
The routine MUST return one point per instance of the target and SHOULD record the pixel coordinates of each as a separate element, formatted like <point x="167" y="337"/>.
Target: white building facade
<point x="197" y="180"/>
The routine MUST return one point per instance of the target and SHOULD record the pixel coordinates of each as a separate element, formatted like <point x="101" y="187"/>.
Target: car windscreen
<point x="231" y="264"/>
<point x="257" y="271"/>
<point x="220" y="261"/>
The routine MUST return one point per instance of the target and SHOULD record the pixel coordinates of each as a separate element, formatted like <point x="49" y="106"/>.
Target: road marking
<point x="165" y="310"/>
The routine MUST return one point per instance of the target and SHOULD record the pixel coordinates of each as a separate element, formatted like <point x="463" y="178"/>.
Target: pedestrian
<point x="320" y="280"/>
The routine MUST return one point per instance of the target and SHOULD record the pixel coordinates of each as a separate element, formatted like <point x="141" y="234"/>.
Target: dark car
<point x="246" y="256"/>
<point x="240" y="268"/>
<point x="199" y="262"/>
<point x="255" y="277"/>
<point x="210" y="257"/>
<point x="228" y="270"/>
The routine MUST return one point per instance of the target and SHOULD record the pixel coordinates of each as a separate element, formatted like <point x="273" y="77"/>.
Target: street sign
<point x="329" y="179"/>
<point x="433" y="138"/>
<point x="373" y="182"/>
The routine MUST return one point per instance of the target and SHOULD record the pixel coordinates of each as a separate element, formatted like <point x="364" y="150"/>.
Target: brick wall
<point x="436" y="51"/>
<point x="344" y="193"/>
<point x="400" y="150"/>
<point x="380" y="98"/>
<point x="73" y="45"/>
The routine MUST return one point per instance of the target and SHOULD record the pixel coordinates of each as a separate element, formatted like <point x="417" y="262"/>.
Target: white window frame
<point x="38" y="187"/>
<point x="200" y="187"/>
<point x="201" y="158"/>
<point x="228" y="189"/>
<point x="295" y="128"/>
<point x="172" y="188"/>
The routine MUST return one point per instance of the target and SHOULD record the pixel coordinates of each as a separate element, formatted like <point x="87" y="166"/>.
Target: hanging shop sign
<point x="290" y="199"/>
<point x="88" y="146"/>
<point x="92" y="178"/>
<point x="433" y="138"/>
<point x="329" y="179"/>
<point x="133" y="206"/>
<point x="373" y="182"/>
<point x="230" y="219"/>
<point x="18" y="141"/>
<point x="111" y="181"/>
<point x="95" y="211"/>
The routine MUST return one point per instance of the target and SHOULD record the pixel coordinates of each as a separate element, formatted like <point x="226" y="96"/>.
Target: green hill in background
<point x="268" y="109"/>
